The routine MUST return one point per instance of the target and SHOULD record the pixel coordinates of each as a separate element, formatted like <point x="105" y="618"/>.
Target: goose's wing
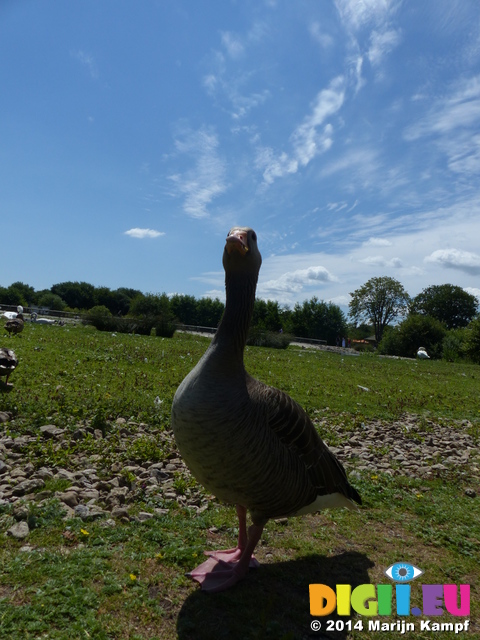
<point x="292" y="426"/>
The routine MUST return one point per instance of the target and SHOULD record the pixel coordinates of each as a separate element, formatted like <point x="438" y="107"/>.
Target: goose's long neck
<point x="232" y="332"/>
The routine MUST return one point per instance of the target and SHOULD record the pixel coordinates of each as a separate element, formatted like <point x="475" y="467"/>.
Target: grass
<point x="87" y="580"/>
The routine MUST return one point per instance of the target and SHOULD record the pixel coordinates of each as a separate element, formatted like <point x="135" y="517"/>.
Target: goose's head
<point x="241" y="254"/>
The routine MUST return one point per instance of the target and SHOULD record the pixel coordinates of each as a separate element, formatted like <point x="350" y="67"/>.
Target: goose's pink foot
<point x="218" y="574"/>
<point x="223" y="569"/>
<point x="231" y="556"/>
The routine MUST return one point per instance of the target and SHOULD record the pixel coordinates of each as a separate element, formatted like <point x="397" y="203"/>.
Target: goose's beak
<point x="237" y="242"/>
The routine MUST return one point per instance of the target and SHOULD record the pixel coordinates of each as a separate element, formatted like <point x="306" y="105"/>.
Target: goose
<point x="8" y="363"/>
<point x="422" y="354"/>
<point x="249" y="444"/>
<point x="15" y="325"/>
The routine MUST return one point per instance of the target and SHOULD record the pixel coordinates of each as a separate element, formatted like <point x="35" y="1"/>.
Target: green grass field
<point x="74" y="579"/>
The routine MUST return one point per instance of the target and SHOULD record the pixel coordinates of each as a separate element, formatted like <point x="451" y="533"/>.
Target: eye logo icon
<point x="403" y="572"/>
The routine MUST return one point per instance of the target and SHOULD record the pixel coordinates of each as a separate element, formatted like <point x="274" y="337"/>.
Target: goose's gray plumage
<point x="8" y="363"/>
<point x="248" y="443"/>
<point x="15" y="325"/>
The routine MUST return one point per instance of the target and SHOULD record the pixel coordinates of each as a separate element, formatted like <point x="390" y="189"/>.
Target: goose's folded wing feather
<point x="292" y="426"/>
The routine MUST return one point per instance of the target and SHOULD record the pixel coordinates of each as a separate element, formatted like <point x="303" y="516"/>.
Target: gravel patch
<point x="412" y="447"/>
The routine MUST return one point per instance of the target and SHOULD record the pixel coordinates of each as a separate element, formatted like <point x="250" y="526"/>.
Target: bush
<point x="101" y="318"/>
<point x="164" y="327"/>
<point x="275" y="340"/>
<point x="414" y="332"/>
<point x="453" y="345"/>
<point x="472" y="341"/>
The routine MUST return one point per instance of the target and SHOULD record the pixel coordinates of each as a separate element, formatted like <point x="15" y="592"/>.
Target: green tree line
<point x="312" y="319"/>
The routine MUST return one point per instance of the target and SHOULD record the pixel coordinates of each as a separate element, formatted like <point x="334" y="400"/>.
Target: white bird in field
<point x="422" y="354"/>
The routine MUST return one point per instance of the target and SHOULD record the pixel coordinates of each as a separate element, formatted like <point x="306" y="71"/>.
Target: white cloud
<point x="381" y="261"/>
<point x="144" y="233"/>
<point x="206" y="180"/>
<point x="377" y="242"/>
<point x="455" y="259"/>
<point x="308" y="139"/>
<point x="88" y="61"/>
<point x="473" y="291"/>
<point x="295" y="281"/>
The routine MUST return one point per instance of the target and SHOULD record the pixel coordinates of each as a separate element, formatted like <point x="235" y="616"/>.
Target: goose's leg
<point x="218" y="575"/>
<point x="233" y="555"/>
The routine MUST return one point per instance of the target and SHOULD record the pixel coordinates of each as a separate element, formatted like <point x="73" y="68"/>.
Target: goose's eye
<point x="254" y="236"/>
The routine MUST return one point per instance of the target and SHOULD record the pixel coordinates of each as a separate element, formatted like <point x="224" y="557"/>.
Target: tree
<point x="77" y="295"/>
<point x="151" y="304"/>
<point x="209" y="312"/>
<point x="18" y="293"/>
<point x="317" y="319"/>
<point x="448" y="303"/>
<point x="267" y="315"/>
<point x="379" y="301"/>
<point x="49" y="300"/>
<point x="184" y="308"/>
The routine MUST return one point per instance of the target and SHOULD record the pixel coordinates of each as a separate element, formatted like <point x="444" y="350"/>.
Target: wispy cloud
<point x="452" y="123"/>
<point x="382" y="43"/>
<point x="87" y="61"/>
<point x="232" y="44"/>
<point x="308" y="139"/>
<point x="455" y="259"/>
<point x="144" y="233"/>
<point x="360" y="13"/>
<point x="226" y="77"/>
<point x="324" y="39"/>
<point x="360" y="16"/>
<point x="381" y="261"/>
<point x="459" y="110"/>
<point x="206" y="180"/>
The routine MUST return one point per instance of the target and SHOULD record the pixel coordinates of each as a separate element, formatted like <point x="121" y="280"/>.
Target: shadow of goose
<point x="272" y="603"/>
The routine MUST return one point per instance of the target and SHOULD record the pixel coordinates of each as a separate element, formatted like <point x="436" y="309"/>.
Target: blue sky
<point x="133" y="135"/>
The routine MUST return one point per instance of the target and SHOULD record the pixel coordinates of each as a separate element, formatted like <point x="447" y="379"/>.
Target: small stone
<point x="69" y="498"/>
<point x="143" y="516"/>
<point x="471" y="493"/>
<point x="43" y="495"/>
<point x="19" y="531"/>
<point x="120" y="512"/>
<point x="81" y="511"/>
<point x="44" y="473"/>
<point x="50" y="431"/>
<point x="27" y="486"/>
<point x="109" y="522"/>
<point x="20" y="512"/>
<point x="3" y="467"/>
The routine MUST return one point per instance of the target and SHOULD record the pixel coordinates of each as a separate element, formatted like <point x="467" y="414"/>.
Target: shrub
<point x="453" y="345"/>
<point x="472" y="341"/>
<point x="275" y="340"/>
<point x="164" y="327"/>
